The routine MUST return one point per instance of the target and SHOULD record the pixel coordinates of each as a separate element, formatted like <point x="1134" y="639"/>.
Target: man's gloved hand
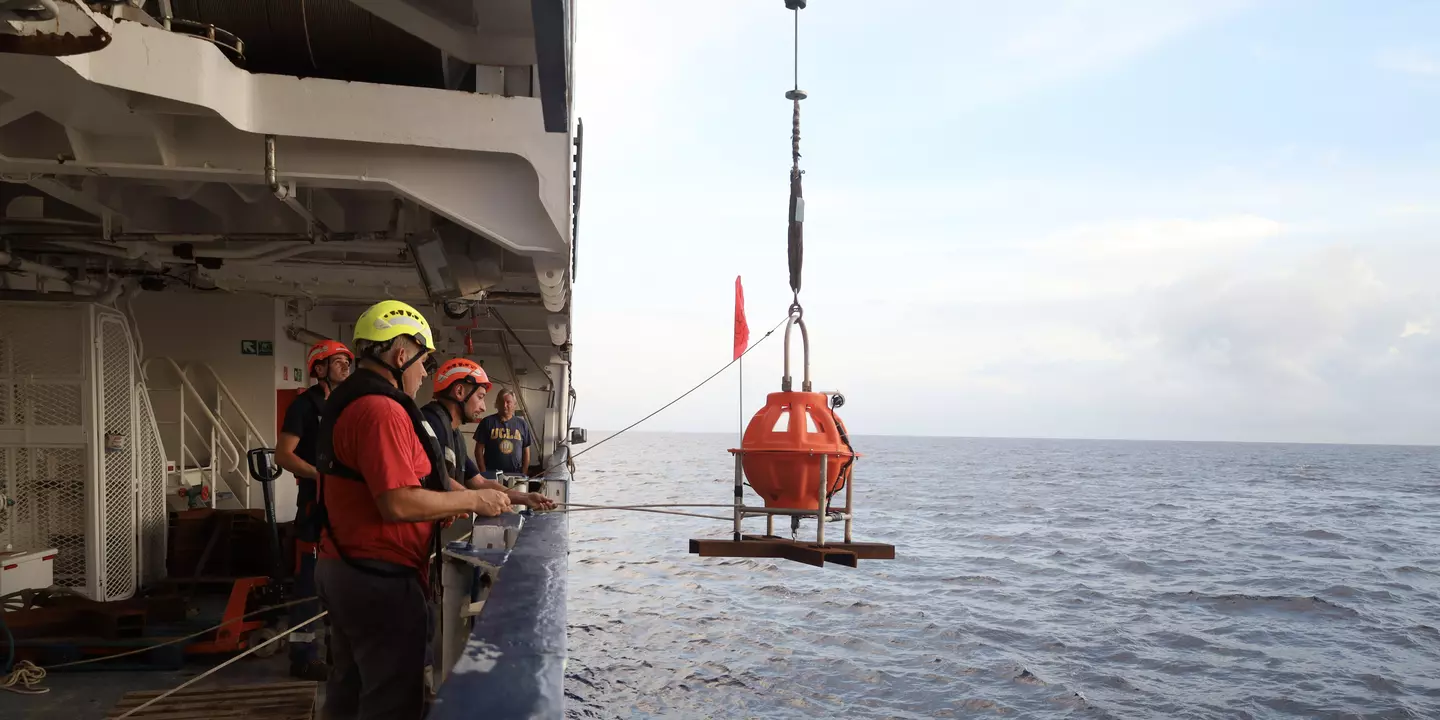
<point x="489" y="503"/>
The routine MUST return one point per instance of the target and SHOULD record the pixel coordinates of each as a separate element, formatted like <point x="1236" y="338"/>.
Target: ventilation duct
<point x="454" y="263"/>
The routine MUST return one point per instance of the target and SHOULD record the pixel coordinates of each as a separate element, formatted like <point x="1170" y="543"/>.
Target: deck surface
<point x="265" y="701"/>
<point x="531" y="589"/>
<point x="86" y="695"/>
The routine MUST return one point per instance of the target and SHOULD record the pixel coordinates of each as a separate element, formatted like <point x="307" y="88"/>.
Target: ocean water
<point x="1033" y="579"/>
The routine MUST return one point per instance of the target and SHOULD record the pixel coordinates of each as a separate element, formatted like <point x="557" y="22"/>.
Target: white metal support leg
<point x="824" y="475"/>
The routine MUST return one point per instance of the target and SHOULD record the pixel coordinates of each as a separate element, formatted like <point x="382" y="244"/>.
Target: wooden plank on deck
<point x="270" y="701"/>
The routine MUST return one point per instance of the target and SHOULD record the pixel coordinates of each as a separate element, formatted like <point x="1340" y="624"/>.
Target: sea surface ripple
<point x="1034" y="579"/>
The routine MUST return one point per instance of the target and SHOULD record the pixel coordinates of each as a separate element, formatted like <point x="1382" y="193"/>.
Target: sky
<point x="1207" y="220"/>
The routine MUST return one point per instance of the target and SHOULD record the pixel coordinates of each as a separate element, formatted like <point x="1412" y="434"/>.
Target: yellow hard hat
<point x="389" y="319"/>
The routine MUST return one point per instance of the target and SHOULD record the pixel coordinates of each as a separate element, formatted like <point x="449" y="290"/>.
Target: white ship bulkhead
<point x="190" y="200"/>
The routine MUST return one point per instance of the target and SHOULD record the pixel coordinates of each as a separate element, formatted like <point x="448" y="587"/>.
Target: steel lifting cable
<point x="515" y="379"/>
<point x="647" y="505"/>
<point x="662" y="408"/>
<point x="570" y="509"/>
<point x="796" y="249"/>
<point x="510" y="361"/>
<point x="495" y="313"/>
<point x="796" y="239"/>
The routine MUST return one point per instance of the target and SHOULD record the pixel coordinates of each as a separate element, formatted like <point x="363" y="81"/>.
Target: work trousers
<point x="378" y="642"/>
<point x="306" y="649"/>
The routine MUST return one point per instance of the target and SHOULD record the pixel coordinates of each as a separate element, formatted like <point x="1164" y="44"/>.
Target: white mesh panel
<point x="45" y="340"/>
<point x="117" y="386"/>
<point x="69" y="379"/>
<point x="44" y="445"/>
<point x="48" y="485"/>
<point x="7" y="387"/>
<point x="150" y="473"/>
<point x="48" y="403"/>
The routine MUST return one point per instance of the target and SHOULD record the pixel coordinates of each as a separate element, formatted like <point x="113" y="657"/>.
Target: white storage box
<point x="26" y="570"/>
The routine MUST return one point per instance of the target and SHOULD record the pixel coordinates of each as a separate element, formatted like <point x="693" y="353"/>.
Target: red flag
<point x="742" y="329"/>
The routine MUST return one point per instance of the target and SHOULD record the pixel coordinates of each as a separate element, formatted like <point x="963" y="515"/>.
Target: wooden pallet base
<point x="272" y="701"/>
<point x="771" y="546"/>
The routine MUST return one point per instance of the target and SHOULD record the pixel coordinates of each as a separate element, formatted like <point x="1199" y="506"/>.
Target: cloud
<point x="962" y="56"/>
<point x="1122" y="257"/>
<point x="1165" y="237"/>
<point x="1281" y="330"/>
<point x="1086" y="261"/>
<point x="1414" y="61"/>
<point x="639" y="54"/>
<point x="1255" y="292"/>
<point x="1076" y="37"/>
<point x="1223" y="329"/>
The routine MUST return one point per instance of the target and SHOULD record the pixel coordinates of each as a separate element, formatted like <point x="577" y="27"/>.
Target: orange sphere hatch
<point x="783" y="445"/>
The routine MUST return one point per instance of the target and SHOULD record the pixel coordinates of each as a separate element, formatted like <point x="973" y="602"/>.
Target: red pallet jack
<point x="246" y="622"/>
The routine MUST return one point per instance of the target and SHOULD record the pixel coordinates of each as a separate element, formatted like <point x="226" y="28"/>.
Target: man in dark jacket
<point x="459" y="397"/>
<point x="329" y="364"/>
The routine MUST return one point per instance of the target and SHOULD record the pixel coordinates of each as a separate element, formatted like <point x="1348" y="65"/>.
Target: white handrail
<point x="224" y="428"/>
<point x="190" y="388"/>
<point x="186" y="419"/>
<point x="252" y="433"/>
<point x="229" y="448"/>
<point x="225" y="391"/>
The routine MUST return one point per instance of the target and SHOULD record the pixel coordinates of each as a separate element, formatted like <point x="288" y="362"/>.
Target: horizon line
<point x="608" y="434"/>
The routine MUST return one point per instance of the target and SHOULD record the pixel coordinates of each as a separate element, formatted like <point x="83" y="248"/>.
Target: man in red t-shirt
<point x="383" y="488"/>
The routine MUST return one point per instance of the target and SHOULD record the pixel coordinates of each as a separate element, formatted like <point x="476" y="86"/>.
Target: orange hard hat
<point x="459" y="370"/>
<point x="324" y="350"/>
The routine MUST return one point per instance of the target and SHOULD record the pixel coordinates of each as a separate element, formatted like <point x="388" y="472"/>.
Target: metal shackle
<point x="785" y="383"/>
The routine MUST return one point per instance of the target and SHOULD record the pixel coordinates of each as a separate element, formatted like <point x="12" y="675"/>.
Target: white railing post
<point x="248" y="444"/>
<point x="214" y="489"/>
<point x="181" y="423"/>
<point x="227" y="447"/>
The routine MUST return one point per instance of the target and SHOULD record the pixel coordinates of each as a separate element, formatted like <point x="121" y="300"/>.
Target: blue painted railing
<point x="513" y="665"/>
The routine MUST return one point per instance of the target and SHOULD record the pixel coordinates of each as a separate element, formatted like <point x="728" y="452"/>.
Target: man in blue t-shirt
<point x="502" y="442"/>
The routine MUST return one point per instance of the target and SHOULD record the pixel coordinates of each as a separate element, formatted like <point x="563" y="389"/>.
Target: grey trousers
<point x="378" y="643"/>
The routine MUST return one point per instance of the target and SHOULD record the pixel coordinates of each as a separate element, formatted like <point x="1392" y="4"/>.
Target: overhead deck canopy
<point x="417" y="149"/>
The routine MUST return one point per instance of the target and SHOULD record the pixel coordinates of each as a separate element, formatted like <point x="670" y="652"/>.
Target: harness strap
<point x="364" y="383"/>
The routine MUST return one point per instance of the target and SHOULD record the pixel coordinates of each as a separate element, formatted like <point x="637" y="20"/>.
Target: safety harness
<point x="437" y="419"/>
<point x="312" y="403"/>
<point x="364" y="383"/>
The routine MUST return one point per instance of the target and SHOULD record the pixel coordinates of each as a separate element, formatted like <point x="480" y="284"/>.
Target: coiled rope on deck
<point x="24" y="679"/>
